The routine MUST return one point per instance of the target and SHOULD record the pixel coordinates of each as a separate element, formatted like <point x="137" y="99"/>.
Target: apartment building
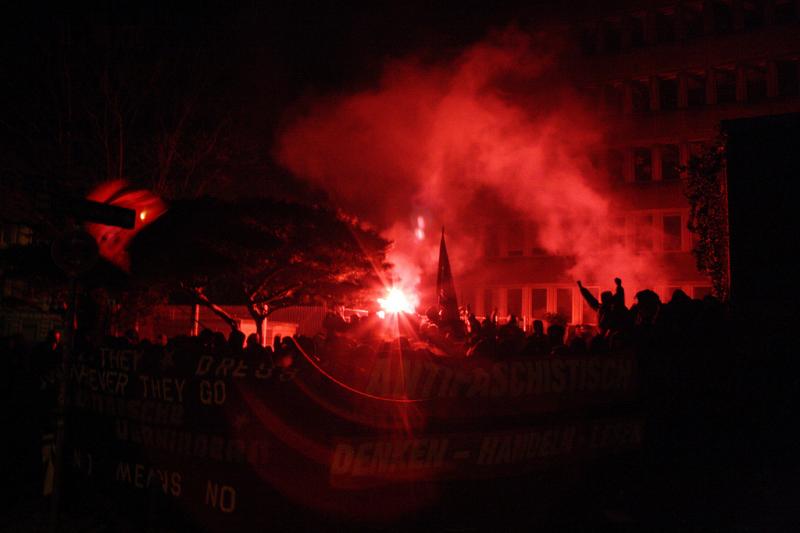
<point x="663" y="75"/>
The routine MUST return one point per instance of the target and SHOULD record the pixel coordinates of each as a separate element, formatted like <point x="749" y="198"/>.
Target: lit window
<point x="515" y="302"/>
<point x="564" y="303"/>
<point x="539" y="300"/>
<point x="488" y="302"/>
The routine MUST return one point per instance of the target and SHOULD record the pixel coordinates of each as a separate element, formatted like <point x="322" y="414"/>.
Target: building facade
<point x="663" y="75"/>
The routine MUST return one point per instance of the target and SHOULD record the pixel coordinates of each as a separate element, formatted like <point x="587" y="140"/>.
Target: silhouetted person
<point x="236" y="342"/>
<point x="611" y="310"/>
<point x="555" y="340"/>
<point x="253" y="348"/>
<point x="536" y="343"/>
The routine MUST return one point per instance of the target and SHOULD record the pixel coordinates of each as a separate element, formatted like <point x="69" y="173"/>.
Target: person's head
<point x="538" y="327"/>
<point x="555" y="334"/>
<point x="647" y="305"/>
<point x="680" y="297"/>
<point x="606" y="297"/>
<point x="512" y="320"/>
<point x="236" y="340"/>
<point x="252" y="341"/>
<point x="206" y="337"/>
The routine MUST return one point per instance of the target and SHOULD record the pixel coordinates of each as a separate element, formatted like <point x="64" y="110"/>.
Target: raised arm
<point x="589" y="297"/>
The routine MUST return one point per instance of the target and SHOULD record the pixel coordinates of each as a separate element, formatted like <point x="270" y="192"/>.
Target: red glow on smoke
<point x="486" y="138"/>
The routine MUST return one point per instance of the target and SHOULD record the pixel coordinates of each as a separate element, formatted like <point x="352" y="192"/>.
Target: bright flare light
<point x="396" y="302"/>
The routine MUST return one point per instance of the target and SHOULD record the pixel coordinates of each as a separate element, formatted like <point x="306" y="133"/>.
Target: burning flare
<point x="396" y="302"/>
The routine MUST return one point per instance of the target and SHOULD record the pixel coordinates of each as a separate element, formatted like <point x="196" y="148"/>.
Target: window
<point x="615" y="165"/>
<point x="665" y="26"/>
<point x="612" y="37"/>
<point x="723" y="16"/>
<point x="488" y="302"/>
<point x="785" y="11"/>
<point x="539" y="300"/>
<point x="668" y="93"/>
<point x="695" y="238"/>
<point x="670" y="160"/>
<point x="613" y="98"/>
<point x="589" y="41"/>
<point x="564" y="303"/>
<point x="753" y="13"/>
<point x="697" y="148"/>
<point x="693" y="18"/>
<point x="756" y="83"/>
<point x="672" y="233"/>
<point x="515" y="302"/>
<point x="643" y="233"/>
<point x="640" y="96"/>
<point x="725" y="79"/>
<point x="788" y="78"/>
<point x="642" y="164"/>
<point x="695" y="89"/>
<point x="636" y="24"/>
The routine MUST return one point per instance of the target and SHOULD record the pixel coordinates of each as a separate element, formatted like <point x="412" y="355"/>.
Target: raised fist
<point x="580" y="284"/>
<point x="618" y="281"/>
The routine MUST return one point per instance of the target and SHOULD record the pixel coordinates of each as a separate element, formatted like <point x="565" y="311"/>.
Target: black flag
<point x="445" y="288"/>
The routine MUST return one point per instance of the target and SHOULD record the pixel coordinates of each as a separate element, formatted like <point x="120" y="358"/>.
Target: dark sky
<point x="288" y="47"/>
<point x="256" y="63"/>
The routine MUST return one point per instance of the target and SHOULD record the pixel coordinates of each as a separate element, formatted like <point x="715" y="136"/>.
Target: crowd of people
<point x="648" y="324"/>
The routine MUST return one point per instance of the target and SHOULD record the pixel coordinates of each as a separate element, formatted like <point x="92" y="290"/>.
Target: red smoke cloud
<point x="489" y="136"/>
